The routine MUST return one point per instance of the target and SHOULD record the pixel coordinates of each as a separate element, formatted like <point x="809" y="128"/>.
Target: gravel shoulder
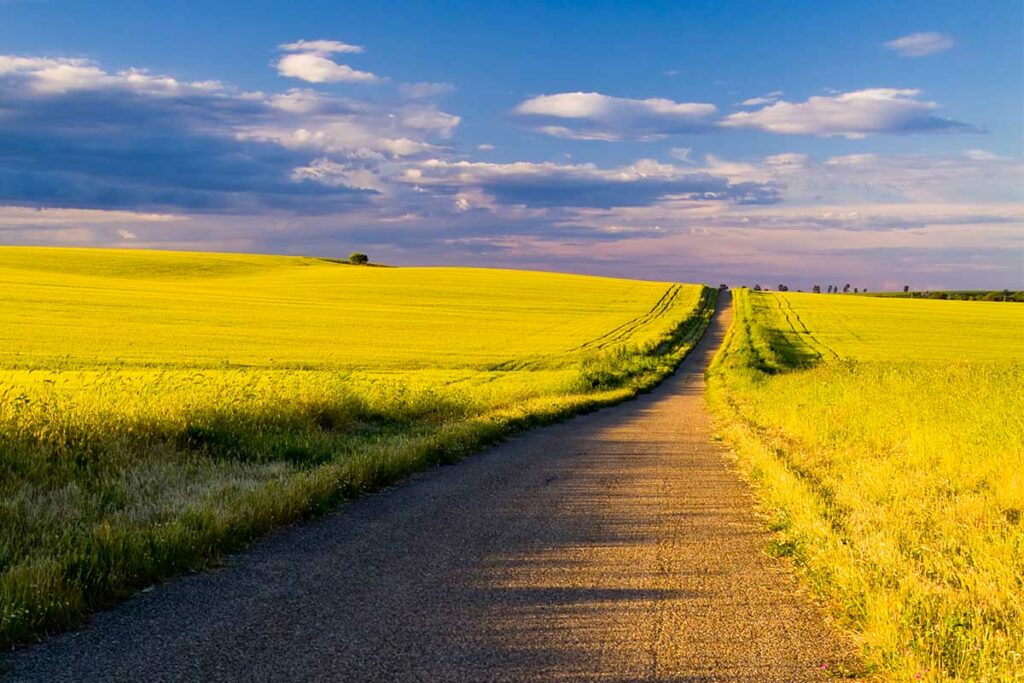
<point x="616" y="546"/>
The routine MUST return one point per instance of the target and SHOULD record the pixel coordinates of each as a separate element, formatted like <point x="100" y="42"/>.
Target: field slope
<point x="157" y="408"/>
<point x="886" y="437"/>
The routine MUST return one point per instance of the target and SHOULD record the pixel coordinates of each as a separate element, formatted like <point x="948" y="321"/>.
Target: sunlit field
<point x="886" y="437"/>
<point x="157" y="408"/>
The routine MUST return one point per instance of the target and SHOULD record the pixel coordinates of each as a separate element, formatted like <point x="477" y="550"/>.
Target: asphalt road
<point x="617" y="546"/>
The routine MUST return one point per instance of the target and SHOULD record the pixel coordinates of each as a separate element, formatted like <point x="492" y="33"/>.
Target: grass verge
<point x="158" y="474"/>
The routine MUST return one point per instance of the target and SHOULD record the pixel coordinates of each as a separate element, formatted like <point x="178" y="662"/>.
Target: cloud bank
<point x="593" y="116"/>
<point x="852" y="115"/>
<point x="77" y="136"/>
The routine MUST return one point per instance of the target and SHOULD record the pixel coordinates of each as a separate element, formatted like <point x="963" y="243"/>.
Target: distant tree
<point x="835" y="289"/>
<point x="865" y="290"/>
<point x="782" y="288"/>
<point x="1006" y="295"/>
<point x="757" y="288"/>
<point x="855" y="291"/>
<point x="358" y="259"/>
<point x="816" y="289"/>
<point x="906" y="288"/>
<point x="846" y="289"/>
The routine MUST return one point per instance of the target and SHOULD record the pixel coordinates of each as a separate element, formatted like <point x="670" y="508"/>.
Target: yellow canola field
<point x="887" y="329"/>
<point x="98" y="307"/>
<point x="157" y="408"/>
<point x="886" y="438"/>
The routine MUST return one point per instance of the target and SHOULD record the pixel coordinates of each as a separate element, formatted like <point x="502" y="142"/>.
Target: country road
<point x="616" y="546"/>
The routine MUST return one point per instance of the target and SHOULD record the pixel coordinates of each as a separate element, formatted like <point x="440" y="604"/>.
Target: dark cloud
<point x="74" y="136"/>
<point x="555" y="185"/>
<point x="597" y="192"/>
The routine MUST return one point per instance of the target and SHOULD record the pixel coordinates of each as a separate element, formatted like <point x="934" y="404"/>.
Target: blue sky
<point x="797" y="142"/>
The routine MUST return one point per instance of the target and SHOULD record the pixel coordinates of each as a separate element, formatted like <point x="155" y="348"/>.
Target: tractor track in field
<point x="623" y="331"/>
<point x="616" y="546"/>
<point x="803" y="334"/>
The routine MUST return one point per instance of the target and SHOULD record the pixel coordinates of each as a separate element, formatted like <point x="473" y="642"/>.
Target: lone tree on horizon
<point x="906" y="288"/>
<point x="358" y="258"/>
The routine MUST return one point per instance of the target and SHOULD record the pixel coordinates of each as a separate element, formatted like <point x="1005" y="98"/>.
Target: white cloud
<point x="24" y="225"/>
<point x="549" y="184"/>
<point x="981" y="155"/>
<point x="577" y="134"/>
<point x="682" y="154"/>
<point x="424" y="90"/>
<point x="315" y="68"/>
<point x="299" y="101"/>
<point x="915" y="178"/>
<point x="786" y="162"/>
<point x="594" y="116"/>
<point x="920" y="44"/>
<point x="309" y="60"/>
<point x="20" y="215"/>
<point x="871" y="179"/>
<point x="338" y="135"/>
<point x="767" y="98"/>
<point x="320" y="47"/>
<point x="365" y="171"/>
<point x="735" y="170"/>
<point x="331" y="124"/>
<point x="428" y="120"/>
<point x="59" y="75"/>
<point x="485" y="147"/>
<point x="852" y="115"/>
<point x="338" y="125"/>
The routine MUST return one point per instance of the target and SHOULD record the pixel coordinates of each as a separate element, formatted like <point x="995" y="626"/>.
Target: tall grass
<point x="116" y="474"/>
<point x="896" y="486"/>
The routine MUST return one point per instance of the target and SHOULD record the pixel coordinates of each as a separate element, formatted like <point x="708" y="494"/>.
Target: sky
<point x="873" y="143"/>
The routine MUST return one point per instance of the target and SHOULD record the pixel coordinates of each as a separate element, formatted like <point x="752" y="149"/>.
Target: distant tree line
<point x="971" y="295"/>
<point x="832" y="289"/>
<point x="961" y="295"/>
